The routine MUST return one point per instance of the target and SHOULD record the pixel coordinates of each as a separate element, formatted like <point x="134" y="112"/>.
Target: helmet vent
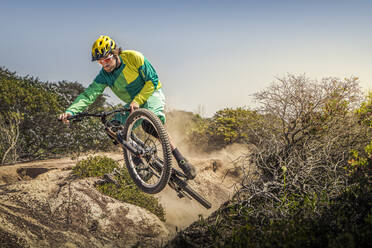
<point x="102" y="46"/>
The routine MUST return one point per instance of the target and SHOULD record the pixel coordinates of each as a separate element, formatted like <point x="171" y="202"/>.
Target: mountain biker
<point x="133" y="79"/>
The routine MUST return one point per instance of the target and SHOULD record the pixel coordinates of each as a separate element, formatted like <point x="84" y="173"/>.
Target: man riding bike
<point x="133" y="80"/>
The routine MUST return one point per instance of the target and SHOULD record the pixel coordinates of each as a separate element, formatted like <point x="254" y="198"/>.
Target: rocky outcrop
<point x="57" y="210"/>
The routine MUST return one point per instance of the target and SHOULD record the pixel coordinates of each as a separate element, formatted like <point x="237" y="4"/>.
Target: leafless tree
<point x="302" y="146"/>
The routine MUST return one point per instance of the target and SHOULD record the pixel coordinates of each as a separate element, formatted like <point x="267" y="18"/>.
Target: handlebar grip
<point x="71" y="118"/>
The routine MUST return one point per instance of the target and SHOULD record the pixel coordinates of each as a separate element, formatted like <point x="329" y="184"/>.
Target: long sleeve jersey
<point x="135" y="80"/>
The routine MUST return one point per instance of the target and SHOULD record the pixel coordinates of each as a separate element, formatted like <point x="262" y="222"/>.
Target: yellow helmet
<point x="102" y="46"/>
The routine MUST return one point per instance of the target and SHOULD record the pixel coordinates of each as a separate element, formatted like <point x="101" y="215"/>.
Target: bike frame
<point x="116" y="137"/>
<point x="177" y="179"/>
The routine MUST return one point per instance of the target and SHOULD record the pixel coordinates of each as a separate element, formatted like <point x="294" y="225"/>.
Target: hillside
<point x="43" y="205"/>
<point x="309" y="142"/>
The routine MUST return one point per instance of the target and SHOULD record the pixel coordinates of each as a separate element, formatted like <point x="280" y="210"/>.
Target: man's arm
<point x="86" y="98"/>
<point x="149" y="75"/>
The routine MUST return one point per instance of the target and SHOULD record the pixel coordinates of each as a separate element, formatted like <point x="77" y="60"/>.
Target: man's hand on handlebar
<point x="133" y="106"/>
<point x="63" y="117"/>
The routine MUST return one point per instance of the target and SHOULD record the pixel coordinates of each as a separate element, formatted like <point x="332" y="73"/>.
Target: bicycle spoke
<point x="148" y="173"/>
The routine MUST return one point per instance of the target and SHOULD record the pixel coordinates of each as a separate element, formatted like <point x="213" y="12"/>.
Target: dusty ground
<point x="218" y="176"/>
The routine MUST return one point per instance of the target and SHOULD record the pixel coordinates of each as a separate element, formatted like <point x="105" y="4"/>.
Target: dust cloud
<point x="214" y="180"/>
<point x="177" y="124"/>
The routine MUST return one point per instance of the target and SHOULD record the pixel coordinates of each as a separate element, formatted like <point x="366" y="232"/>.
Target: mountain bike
<point x="146" y="148"/>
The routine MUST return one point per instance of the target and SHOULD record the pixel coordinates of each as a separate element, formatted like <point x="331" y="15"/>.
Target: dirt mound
<point x="48" y="207"/>
<point x="43" y="205"/>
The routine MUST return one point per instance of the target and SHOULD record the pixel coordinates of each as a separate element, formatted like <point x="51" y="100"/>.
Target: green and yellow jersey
<point x="135" y="80"/>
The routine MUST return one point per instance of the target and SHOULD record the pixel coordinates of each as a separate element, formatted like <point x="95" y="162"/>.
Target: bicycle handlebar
<point x="102" y="115"/>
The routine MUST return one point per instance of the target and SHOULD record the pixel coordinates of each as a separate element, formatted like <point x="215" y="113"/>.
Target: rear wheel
<point x="145" y="132"/>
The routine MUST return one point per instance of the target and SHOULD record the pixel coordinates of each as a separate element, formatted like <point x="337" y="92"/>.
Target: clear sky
<point x="207" y="53"/>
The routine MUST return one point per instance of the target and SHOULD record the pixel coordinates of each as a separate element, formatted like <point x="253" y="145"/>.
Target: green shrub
<point x="227" y="126"/>
<point x="9" y="135"/>
<point x="365" y="111"/>
<point x="197" y="134"/>
<point x="125" y="191"/>
<point x="38" y="134"/>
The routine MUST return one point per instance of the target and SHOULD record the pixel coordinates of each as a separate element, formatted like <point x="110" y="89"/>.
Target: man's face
<point x="108" y="63"/>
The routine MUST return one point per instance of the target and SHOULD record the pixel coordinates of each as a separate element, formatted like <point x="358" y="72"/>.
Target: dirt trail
<point x="30" y="170"/>
<point x="216" y="181"/>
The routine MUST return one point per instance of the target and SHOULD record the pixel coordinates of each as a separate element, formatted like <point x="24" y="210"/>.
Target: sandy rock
<point x="58" y="210"/>
<point x="43" y="205"/>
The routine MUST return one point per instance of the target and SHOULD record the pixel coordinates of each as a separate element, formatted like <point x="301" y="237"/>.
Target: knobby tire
<point x="167" y="153"/>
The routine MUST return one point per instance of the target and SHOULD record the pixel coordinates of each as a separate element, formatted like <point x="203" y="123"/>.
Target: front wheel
<point x="145" y="132"/>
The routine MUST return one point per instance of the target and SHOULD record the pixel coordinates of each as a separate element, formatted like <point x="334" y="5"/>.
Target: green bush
<point x="197" y="134"/>
<point x="227" y="126"/>
<point x="38" y="133"/>
<point x="230" y="126"/>
<point x="9" y="136"/>
<point x="125" y="191"/>
<point x="365" y="111"/>
<point x="35" y="104"/>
